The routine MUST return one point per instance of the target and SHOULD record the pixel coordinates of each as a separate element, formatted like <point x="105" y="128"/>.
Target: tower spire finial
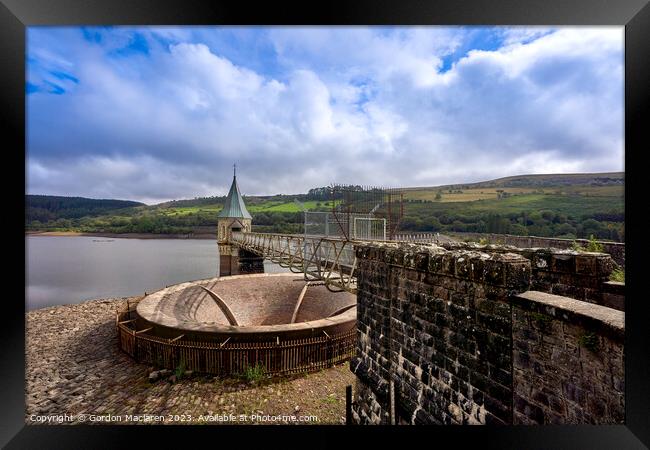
<point x="234" y="170"/>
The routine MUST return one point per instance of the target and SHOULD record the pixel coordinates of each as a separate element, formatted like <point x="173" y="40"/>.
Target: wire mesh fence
<point x="350" y="202"/>
<point x="352" y="226"/>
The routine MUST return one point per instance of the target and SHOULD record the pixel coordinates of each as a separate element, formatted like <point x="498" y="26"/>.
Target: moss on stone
<point x="589" y="340"/>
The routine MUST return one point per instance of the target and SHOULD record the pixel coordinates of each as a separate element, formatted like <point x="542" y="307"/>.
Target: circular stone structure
<point x="262" y="304"/>
<point x="291" y="324"/>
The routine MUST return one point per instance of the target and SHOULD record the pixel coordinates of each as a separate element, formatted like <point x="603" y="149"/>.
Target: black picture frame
<point x="16" y="15"/>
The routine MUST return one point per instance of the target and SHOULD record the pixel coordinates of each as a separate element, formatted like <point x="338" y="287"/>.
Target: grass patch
<point x="331" y="399"/>
<point x="617" y="275"/>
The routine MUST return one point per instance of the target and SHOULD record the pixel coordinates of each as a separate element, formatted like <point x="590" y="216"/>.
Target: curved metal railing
<point x="276" y="356"/>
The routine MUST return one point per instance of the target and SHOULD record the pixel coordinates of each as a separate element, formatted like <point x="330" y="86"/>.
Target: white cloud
<point x="361" y="105"/>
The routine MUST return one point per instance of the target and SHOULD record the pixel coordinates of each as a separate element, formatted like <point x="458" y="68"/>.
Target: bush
<point x="577" y="247"/>
<point x="594" y="246"/>
<point x="180" y="370"/>
<point x="254" y="373"/>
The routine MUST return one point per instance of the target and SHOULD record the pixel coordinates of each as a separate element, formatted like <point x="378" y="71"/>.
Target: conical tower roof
<point x="234" y="206"/>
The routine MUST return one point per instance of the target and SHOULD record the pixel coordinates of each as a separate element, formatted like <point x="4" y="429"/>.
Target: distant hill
<point x="558" y="205"/>
<point x="540" y="180"/>
<point x="517" y="181"/>
<point x="45" y="208"/>
<point x="218" y="201"/>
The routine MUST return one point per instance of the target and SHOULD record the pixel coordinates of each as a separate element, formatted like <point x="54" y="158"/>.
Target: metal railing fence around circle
<point x="276" y="357"/>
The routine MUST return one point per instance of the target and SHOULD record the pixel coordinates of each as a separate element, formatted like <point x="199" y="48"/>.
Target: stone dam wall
<point x="458" y="337"/>
<point x="615" y="249"/>
<point x="579" y="275"/>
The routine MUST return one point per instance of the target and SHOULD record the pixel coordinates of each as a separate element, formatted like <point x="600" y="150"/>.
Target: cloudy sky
<point x="160" y="113"/>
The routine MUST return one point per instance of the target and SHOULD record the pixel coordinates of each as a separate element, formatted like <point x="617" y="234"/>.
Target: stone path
<point x="75" y="373"/>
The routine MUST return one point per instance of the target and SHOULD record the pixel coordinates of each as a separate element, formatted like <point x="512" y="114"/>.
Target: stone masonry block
<point x="435" y="263"/>
<point x="604" y="266"/>
<point x="518" y="275"/>
<point x="409" y="260"/>
<point x="586" y="264"/>
<point x="477" y="266"/>
<point x="494" y="272"/>
<point x="448" y="264"/>
<point x="463" y="267"/>
<point x="563" y="262"/>
<point x="541" y="259"/>
<point x="422" y="261"/>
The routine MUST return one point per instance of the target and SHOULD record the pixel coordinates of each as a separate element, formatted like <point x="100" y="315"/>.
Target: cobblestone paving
<point x="75" y="368"/>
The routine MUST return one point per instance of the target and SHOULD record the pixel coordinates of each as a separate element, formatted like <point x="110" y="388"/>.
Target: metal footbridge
<point x="326" y="259"/>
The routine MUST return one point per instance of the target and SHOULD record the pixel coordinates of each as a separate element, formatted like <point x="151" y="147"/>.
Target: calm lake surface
<point x="71" y="269"/>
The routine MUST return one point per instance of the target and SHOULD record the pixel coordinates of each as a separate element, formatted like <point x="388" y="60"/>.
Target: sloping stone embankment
<point x="74" y="367"/>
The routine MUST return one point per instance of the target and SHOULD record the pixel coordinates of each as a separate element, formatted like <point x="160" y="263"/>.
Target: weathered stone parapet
<point x="501" y="269"/>
<point x="608" y="321"/>
<point x="567" y="361"/>
<point x="579" y="275"/>
<point x="615" y="249"/>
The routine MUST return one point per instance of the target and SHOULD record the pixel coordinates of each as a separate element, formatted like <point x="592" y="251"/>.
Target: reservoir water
<point x="71" y="269"/>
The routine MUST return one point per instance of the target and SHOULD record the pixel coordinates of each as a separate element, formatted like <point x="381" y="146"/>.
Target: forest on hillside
<point x="549" y="206"/>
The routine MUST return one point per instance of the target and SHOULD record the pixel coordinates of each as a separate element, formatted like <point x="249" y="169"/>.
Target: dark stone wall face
<point x="236" y="261"/>
<point x="613" y="295"/>
<point x="565" y="370"/>
<point x="369" y="409"/>
<point x="439" y="325"/>
<point x="250" y="262"/>
<point x="228" y="265"/>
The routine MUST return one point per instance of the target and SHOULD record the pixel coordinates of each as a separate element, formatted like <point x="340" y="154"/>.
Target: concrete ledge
<point x="565" y="308"/>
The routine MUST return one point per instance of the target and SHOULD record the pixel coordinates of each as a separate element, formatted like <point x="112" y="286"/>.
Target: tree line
<point x="610" y="226"/>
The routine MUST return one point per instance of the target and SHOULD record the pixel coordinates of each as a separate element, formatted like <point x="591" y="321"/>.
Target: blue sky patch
<point x="137" y="45"/>
<point x="64" y="76"/>
<point x="31" y="88"/>
<point x="478" y="38"/>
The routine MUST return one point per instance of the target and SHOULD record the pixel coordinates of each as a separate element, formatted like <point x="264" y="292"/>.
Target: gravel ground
<point x="75" y="372"/>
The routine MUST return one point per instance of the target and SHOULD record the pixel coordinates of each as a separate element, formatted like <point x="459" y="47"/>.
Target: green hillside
<point x="566" y="205"/>
<point x="49" y="208"/>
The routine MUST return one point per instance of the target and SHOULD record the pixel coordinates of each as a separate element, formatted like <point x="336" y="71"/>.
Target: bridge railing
<point x="423" y="237"/>
<point x="330" y="260"/>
